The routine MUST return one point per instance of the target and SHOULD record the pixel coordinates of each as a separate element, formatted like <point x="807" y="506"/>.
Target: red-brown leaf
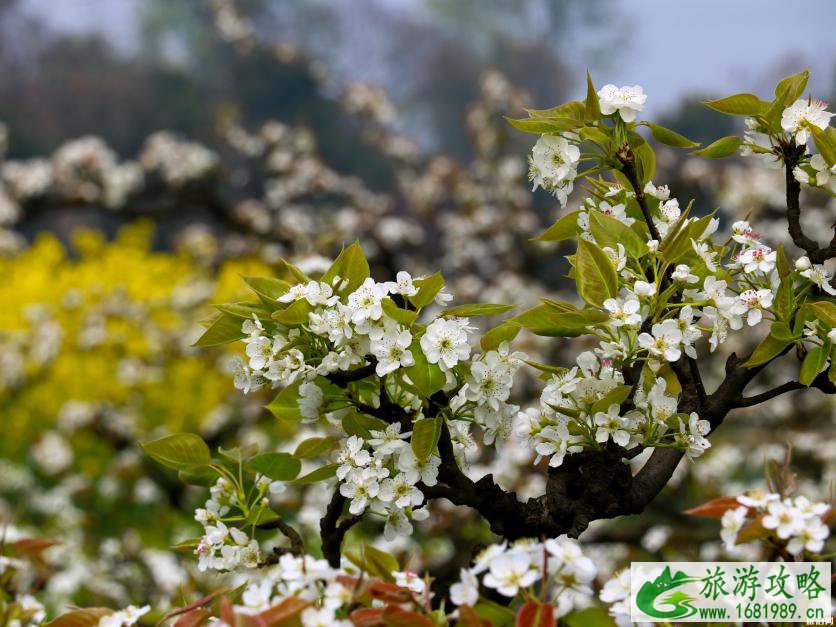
<point x="284" y="614"/>
<point x="389" y="592"/>
<point x="469" y="618"/>
<point x="85" y="617"/>
<point x="368" y="617"/>
<point x="394" y="616"/>
<point x="193" y="618"/>
<point x="534" y="614"/>
<point x="715" y="508"/>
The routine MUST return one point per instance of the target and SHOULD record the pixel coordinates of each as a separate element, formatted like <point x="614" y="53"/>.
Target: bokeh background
<point x="153" y="151"/>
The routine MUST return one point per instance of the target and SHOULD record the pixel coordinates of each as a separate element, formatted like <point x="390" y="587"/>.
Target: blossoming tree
<point x="386" y="372"/>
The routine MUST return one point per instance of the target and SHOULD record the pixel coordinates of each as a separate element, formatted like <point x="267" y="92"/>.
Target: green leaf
<point x="504" y="332"/>
<point x="498" y="615"/>
<point x="789" y="89"/>
<point x="286" y="403"/>
<point x="595" y="274"/>
<point x="781" y="331"/>
<point x="545" y="321"/>
<point x="404" y="316"/>
<point x="268" y="289"/>
<point x="769" y="348"/>
<point x="573" y="109"/>
<point x="615" y="396"/>
<point x="428" y="287"/>
<point x="747" y="105"/>
<point x="180" y="451"/>
<point x="645" y="162"/>
<point x="426" y="377"/>
<point x="565" y="227"/>
<point x="350" y="265"/>
<point x="785" y="299"/>
<point x="541" y="125"/>
<point x="294" y="315"/>
<point x="314" y="447"/>
<point x="477" y="309"/>
<point x="224" y="330"/>
<point x="814" y="363"/>
<point x="205" y="476"/>
<point x="824" y="310"/>
<point x="783" y="263"/>
<point x="320" y="474"/>
<point x="362" y="425"/>
<point x="375" y="562"/>
<point x="425" y="435"/>
<point x="243" y="309"/>
<point x="826" y="144"/>
<point x="590" y="617"/>
<point x="276" y="466"/>
<point x="592" y="108"/>
<point x="260" y="515"/>
<point x="668" y="137"/>
<point x="609" y="231"/>
<point x="723" y="147"/>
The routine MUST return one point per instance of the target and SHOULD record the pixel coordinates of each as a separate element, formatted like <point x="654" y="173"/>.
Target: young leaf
<point x="477" y="309"/>
<point x="425" y="435"/>
<point x="824" y="310"/>
<point x="723" y="147"/>
<point x="747" y="105"/>
<point x="789" y="89"/>
<point x="645" y="161"/>
<point x="320" y="474"/>
<point x="286" y="403"/>
<point x="596" y="276"/>
<point x="592" y="111"/>
<point x="350" y="265"/>
<point x="540" y="125"/>
<point x="428" y="288"/>
<point x="276" y="466"/>
<point x="668" y="137"/>
<point x="566" y="227"/>
<point x="813" y="363"/>
<point x="504" y="332"/>
<point x="426" y="377"/>
<point x="294" y="315"/>
<point x="314" y="447"/>
<point x="180" y="451"/>
<point x="769" y="348"/>
<point x="267" y="288"/>
<point x="609" y="231"/>
<point x="224" y="330"/>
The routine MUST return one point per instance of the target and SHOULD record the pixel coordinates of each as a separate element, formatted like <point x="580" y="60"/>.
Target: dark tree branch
<point x="792" y="155"/>
<point x="343" y="378"/>
<point x="297" y="546"/>
<point x="332" y="531"/>
<point x="628" y="162"/>
<point x="821" y="382"/>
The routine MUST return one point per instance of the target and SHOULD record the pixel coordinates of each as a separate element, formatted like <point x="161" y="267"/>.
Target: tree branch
<point x="792" y="155"/>
<point x="821" y="382"/>
<point x="331" y="531"/>
<point x="628" y="161"/>
<point x="297" y="546"/>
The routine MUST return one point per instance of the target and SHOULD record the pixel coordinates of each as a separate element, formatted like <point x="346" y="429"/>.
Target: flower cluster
<point x="225" y="547"/>
<point x="348" y="329"/>
<point x="796" y="524"/>
<point x="581" y="408"/>
<point x="558" y="567"/>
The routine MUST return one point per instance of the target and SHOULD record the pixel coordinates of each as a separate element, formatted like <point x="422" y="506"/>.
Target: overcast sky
<point x="676" y="46"/>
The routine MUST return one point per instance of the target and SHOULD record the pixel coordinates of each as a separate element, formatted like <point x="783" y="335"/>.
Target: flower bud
<point x="802" y="263"/>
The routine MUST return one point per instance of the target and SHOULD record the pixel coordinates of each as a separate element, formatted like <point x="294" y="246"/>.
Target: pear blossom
<point x="817" y="275"/>
<point x="628" y="101"/>
<point x="553" y="166"/>
<point x="623" y="311"/>
<point x="801" y="116"/>
<point x="511" y="571"/>
<point x="664" y="341"/>
<point x="732" y="522"/>
<point x="784" y="518"/>
<point x="392" y="352"/>
<point x="466" y="590"/>
<point x="758" y="258"/>
<point x="445" y="343"/>
<point x="810" y="537"/>
<point x="611" y="425"/>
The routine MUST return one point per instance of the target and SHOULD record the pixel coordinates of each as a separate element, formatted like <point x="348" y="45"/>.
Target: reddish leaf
<point x="829" y="517"/>
<point x="394" y="616"/>
<point x="194" y="605"/>
<point x="389" y="592"/>
<point x="284" y="614"/>
<point x="86" y="617"/>
<point x="33" y="546"/>
<point x="227" y="612"/>
<point x="469" y="618"/>
<point x="368" y="617"/>
<point x="753" y="531"/>
<point x="534" y="614"/>
<point x="715" y="508"/>
<point x="193" y="618"/>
